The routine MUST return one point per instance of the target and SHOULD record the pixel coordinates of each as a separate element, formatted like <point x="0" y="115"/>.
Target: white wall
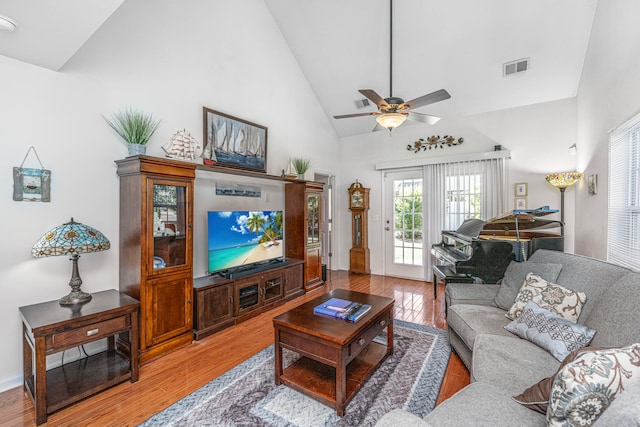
<point x="538" y="136"/>
<point x="607" y="97"/>
<point x="228" y="56"/>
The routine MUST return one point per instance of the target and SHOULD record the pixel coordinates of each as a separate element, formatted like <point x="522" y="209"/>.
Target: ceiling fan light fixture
<point x="391" y="120"/>
<point x="7" y="24"/>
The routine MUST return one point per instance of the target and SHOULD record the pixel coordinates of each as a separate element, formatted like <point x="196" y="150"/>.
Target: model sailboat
<point x="182" y="146"/>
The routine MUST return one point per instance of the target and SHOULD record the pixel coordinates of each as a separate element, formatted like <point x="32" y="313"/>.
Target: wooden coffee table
<point x="337" y="356"/>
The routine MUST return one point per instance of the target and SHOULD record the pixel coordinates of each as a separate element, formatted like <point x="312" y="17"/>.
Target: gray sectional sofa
<point x="503" y="365"/>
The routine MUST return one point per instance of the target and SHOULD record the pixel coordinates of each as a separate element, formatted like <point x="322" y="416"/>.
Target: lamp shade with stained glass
<point x="71" y="238"/>
<point x="562" y="180"/>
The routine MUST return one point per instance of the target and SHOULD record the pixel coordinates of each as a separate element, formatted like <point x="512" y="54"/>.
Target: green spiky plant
<point x="301" y="165"/>
<point x="134" y="126"/>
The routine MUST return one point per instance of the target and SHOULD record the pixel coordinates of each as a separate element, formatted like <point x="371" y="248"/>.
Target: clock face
<point x="356" y="199"/>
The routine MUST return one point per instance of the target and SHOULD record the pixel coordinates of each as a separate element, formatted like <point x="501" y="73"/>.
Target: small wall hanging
<point x="32" y="185"/>
<point x="243" y="190"/>
<point x="434" y="142"/>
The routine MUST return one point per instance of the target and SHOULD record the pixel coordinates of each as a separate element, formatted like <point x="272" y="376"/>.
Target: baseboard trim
<point x="12" y="383"/>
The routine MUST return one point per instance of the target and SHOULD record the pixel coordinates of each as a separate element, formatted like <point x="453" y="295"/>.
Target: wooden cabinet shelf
<point x="220" y="302"/>
<point x="303" y="207"/>
<point x="242" y="172"/>
<point x="156" y="249"/>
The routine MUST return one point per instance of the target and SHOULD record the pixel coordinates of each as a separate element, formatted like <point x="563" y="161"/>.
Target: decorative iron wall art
<point x="434" y="142"/>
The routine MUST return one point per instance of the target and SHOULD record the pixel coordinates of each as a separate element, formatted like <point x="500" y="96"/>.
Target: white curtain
<point x="442" y="182"/>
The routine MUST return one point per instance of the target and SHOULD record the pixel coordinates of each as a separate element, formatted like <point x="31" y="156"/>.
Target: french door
<point x="404" y="230"/>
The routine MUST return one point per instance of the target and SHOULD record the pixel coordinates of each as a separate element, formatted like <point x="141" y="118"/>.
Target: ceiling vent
<point x="362" y="103"/>
<point x="514" y="67"/>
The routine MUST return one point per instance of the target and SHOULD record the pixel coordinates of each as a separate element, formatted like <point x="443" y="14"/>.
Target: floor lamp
<point x="562" y="180"/>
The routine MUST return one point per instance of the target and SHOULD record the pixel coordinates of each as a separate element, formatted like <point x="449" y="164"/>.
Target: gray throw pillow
<point x="515" y="276"/>
<point x="549" y="331"/>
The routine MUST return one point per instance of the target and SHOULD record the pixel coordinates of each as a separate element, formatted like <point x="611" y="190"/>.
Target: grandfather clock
<point x="359" y="206"/>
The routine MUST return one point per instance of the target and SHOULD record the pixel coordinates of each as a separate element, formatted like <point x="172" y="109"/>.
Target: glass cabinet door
<point x="170" y="225"/>
<point x="313" y="219"/>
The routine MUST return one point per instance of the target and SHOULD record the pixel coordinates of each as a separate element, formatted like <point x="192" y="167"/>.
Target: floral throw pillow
<point x="550" y="296"/>
<point x="585" y="388"/>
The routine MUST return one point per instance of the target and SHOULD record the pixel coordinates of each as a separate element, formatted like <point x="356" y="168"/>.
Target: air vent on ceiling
<point x="517" y="66"/>
<point x="361" y="103"/>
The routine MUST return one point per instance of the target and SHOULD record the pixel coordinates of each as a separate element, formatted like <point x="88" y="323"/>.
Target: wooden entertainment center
<point x="156" y="255"/>
<point x="221" y="302"/>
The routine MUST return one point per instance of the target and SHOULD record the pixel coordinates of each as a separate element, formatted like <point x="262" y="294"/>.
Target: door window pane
<point x="407" y="221"/>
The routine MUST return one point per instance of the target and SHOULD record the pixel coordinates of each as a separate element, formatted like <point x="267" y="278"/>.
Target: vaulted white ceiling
<point x="50" y="32"/>
<point x="458" y="45"/>
<point x="343" y="45"/>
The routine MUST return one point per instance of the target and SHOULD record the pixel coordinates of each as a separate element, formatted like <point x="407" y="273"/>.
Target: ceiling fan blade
<point x="373" y="96"/>
<point x="346" y="116"/>
<point x="433" y="97"/>
<point x="378" y="128"/>
<point x="423" y="118"/>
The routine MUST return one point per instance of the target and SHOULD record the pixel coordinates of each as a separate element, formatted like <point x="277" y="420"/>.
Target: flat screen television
<point x="242" y="239"/>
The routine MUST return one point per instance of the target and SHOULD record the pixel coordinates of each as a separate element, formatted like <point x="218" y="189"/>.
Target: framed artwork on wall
<point x="520" y="203"/>
<point x="520" y="189"/>
<point x="232" y="189"/>
<point x="233" y="142"/>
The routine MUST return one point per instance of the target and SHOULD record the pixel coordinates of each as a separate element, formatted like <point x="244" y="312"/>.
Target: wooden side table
<point x="50" y="328"/>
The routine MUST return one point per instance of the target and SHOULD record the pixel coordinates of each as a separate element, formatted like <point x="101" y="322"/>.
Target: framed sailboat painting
<point x="233" y="142"/>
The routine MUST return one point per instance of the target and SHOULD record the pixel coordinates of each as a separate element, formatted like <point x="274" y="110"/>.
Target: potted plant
<point x="300" y="165"/>
<point x="135" y="127"/>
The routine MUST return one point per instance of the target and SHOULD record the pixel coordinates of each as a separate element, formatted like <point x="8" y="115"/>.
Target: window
<point x="623" y="231"/>
<point x="463" y="194"/>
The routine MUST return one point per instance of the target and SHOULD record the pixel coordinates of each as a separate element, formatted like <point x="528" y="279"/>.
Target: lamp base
<point x="75" y="297"/>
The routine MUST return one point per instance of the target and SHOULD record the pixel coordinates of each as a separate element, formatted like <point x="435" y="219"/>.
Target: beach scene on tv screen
<point x="243" y="237"/>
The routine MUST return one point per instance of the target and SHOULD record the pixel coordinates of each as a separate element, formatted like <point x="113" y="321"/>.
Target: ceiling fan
<point x="393" y="111"/>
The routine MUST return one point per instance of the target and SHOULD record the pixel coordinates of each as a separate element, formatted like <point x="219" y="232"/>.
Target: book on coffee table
<point x="342" y="309"/>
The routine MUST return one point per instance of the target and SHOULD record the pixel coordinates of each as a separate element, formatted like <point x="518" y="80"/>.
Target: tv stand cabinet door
<point x="273" y="282"/>
<point x="214" y="309"/>
<point x="247" y="294"/>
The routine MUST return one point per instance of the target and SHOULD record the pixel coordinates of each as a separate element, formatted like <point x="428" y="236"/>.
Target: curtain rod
<point x="466" y="157"/>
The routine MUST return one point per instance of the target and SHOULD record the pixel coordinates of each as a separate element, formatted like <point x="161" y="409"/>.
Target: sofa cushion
<point x="515" y="275"/>
<point x="470" y="293"/>
<point x="624" y="410"/>
<point x="615" y="315"/>
<point x="469" y="321"/>
<point x="550" y="296"/>
<point x="555" y="334"/>
<point x="585" y="388"/>
<point x="582" y="274"/>
<point x="510" y="363"/>
<point x="483" y="404"/>
<point x="537" y="396"/>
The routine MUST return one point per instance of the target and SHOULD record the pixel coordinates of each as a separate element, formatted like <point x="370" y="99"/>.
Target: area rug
<point x="247" y="395"/>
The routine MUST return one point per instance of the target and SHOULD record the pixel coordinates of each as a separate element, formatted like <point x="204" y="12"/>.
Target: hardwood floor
<point x="170" y="378"/>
